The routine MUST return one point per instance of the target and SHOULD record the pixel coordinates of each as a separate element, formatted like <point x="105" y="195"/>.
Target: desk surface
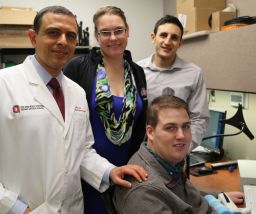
<point x="222" y="181"/>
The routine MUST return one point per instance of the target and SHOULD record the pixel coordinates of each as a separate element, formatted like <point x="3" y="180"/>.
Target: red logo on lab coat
<point x="16" y="109"/>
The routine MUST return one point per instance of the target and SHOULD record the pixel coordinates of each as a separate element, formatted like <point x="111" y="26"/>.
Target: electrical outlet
<point x="237" y="98"/>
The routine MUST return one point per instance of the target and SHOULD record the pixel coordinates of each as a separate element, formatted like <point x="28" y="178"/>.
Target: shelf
<point x="82" y="49"/>
<point x="30" y="50"/>
<point x="17" y="51"/>
<point x="196" y="34"/>
<point x="19" y="54"/>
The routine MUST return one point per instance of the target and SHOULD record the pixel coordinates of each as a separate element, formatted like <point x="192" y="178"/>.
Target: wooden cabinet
<point x="228" y="59"/>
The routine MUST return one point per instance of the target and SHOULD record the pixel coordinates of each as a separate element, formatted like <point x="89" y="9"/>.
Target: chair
<point x="107" y="197"/>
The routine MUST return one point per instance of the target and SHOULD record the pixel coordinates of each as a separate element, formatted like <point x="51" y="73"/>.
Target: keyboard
<point x="195" y="160"/>
<point x="250" y="197"/>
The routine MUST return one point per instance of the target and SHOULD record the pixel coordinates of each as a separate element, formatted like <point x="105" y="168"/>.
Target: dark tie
<point x="58" y="95"/>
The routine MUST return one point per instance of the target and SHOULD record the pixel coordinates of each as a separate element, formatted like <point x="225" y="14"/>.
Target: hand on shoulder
<point x="117" y="174"/>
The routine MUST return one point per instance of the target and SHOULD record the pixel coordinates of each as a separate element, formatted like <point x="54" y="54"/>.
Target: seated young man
<point x="167" y="189"/>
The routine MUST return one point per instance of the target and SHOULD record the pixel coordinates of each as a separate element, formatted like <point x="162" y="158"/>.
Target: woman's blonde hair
<point x="112" y="10"/>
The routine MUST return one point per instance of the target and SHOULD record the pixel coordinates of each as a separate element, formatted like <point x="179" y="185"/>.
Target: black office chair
<point x="187" y="166"/>
<point x="107" y="197"/>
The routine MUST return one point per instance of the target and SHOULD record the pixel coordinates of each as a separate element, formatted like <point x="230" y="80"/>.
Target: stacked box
<point x="219" y="18"/>
<point x="185" y="5"/>
<point x="14" y="24"/>
<point x="194" y="14"/>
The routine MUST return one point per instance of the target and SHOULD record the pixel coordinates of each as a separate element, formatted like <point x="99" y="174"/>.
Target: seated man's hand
<point x="236" y="196"/>
<point x="117" y="174"/>
<point x="27" y="211"/>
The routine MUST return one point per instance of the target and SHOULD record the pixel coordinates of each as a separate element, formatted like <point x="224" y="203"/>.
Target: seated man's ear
<point x="150" y="132"/>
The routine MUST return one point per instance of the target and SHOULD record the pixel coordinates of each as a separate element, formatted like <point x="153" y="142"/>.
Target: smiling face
<point x="167" y="40"/>
<point x="114" y="44"/>
<point x="55" y="41"/>
<point x="171" y="137"/>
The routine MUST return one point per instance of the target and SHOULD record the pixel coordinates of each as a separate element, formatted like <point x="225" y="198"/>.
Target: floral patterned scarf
<point x="117" y="131"/>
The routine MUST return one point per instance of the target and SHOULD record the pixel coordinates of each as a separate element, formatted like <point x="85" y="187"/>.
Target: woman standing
<point x="116" y="92"/>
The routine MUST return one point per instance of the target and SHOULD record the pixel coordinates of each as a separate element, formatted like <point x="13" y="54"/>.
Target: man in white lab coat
<point x="43" y="153"/>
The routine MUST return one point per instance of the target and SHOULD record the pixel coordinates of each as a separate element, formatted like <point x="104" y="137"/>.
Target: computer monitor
<point x="216" y="127"/>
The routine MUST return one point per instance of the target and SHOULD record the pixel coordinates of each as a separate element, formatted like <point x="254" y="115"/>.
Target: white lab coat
<point x="41" y="156"/>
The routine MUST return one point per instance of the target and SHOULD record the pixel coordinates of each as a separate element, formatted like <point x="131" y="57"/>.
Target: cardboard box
<point x="219" y="17"/>
<point x="195" y="19"/>
<point x="14" y="24"/>
<point x="186" y="5"/>
<point x="17" y="16"/>
<point x="14" y="36"/>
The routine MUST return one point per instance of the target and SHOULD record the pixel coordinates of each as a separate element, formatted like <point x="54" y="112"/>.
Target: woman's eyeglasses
<point x="107" y="33"/>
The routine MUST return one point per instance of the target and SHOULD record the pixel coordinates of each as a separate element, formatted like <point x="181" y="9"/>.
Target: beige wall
<point x="169" y="7"/>
<point x="239" y="146"/>
<point x="245" y="7"/>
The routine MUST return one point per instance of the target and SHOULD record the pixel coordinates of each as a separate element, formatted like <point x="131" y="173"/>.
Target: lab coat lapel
<point x="40" y="92"/>
<point x="69" y="104"/>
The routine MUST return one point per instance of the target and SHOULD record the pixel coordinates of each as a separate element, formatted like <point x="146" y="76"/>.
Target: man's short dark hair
<point x="168" y="19"/>
<point x="51" y="9"/>
<point x="164" y="102"/>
